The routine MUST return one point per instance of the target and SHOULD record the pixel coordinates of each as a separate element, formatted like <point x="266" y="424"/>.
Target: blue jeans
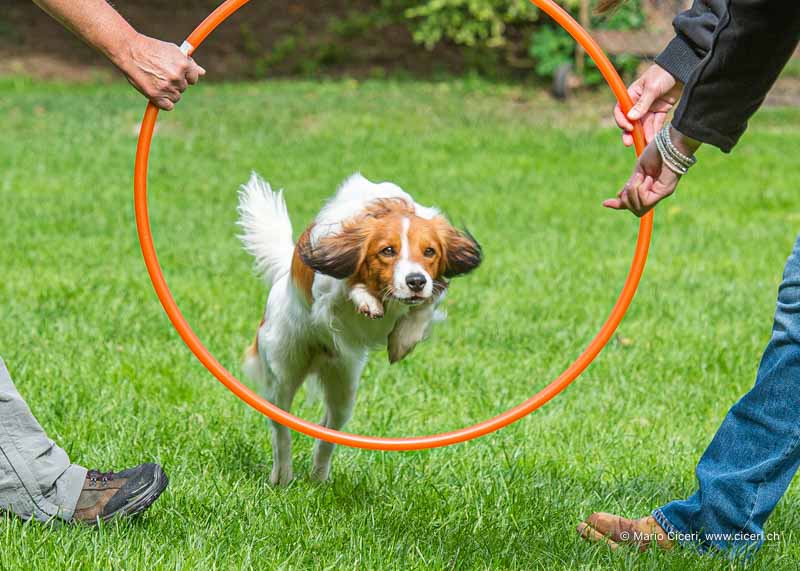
<point x="756" y="452"/>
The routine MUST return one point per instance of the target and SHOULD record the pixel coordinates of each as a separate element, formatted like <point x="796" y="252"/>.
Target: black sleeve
<point x="750" y="46"/>
<point x="694" y="32"/>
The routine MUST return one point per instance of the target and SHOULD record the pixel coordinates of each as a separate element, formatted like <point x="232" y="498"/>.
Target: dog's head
<point x="393" y="251"/>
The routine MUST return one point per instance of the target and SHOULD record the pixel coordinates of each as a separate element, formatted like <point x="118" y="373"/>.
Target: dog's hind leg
<point x="281" y="393"/>
<point x="339" y="380"/>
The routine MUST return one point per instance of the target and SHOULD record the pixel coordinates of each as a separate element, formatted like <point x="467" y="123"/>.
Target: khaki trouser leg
<point x="37" y="479"/>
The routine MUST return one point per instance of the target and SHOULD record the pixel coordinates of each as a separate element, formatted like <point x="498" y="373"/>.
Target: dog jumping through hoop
<point x="371" y="270"/>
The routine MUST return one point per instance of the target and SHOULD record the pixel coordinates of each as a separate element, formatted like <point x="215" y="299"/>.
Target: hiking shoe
<point x="107" y="495"/>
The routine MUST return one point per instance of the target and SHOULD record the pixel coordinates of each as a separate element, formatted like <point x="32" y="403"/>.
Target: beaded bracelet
<point x="675" y="160"/>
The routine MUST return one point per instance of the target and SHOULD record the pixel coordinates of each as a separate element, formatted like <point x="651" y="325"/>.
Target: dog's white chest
<point x="357" y="329"/>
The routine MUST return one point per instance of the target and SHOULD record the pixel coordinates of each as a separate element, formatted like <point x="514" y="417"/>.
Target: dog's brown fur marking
<point x="356" y="251"/>
<point x="252" y="350"/>
<point x="302" y="274"/>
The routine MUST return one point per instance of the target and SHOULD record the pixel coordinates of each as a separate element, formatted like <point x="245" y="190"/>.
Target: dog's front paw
<point x="281" y="476"/>
<point x="366" y="303"/>
<point x="371" y="308"/>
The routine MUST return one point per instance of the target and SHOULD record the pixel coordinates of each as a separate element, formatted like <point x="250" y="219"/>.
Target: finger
<point x="630" y="200"/>
<point x="638" y="186"/>
<point x="647" y="124"/>
<point x="195" y="72"/>
<point x="622" y="121"/>
<point x="644" y="196"/>
<point x="627" y="139"/>
<point x="181" y="84"/>
<point x="625" y="201"/>
<point x="193" y="75"/>
<point x="163" y="103"/>
<point x="635" y="93"/>
<point x="173" y="96"/>
<point x="643" y="105"/>
<point x="632" y="191"/>
<point x="620" y="202"/>
<point x="651" y="200"/>
<point x="658" y="121"/>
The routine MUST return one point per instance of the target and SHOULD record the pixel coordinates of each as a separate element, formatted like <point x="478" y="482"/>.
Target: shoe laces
<point x="96" y="475"/>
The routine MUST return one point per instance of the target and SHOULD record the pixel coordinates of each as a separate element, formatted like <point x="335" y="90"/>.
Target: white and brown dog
<point x="369" y="271"/>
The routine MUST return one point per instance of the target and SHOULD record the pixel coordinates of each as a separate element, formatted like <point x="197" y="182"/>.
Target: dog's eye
<point x="389" y="252"/>
<point x="429" y="252"/>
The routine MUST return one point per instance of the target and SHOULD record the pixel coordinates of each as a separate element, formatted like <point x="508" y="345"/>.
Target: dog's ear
<point x="462" y="253"/>
<point x="338" y="255"/>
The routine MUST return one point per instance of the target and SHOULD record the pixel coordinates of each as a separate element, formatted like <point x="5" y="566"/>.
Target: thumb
<point x="643" y="105"/>
<point x="613" y="203"/>
<point x="200" y="70"/>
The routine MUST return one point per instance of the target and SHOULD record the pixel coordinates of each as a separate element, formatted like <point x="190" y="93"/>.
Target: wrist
<point x="666" y="77"/>
<point x="679" y="59"/>
<point x="122" y="51"/>
<point x="684" y="143"/>
<point x="678" y="159"/>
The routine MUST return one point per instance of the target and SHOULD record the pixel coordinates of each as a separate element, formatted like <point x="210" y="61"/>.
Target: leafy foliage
<point x="468" y="22"/>
<point x="551" y="48"/>
<point x="511" y="26"/>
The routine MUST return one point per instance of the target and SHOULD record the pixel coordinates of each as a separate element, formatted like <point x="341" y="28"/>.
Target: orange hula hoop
<point x="370" y="442"/>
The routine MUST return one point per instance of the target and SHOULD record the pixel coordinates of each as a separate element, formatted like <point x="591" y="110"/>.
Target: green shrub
<point x="550" y="47"/>
<point x="467" y="22"/>
<point x="512" y="27"/>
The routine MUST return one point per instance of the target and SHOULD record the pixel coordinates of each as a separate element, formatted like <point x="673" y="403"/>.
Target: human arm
<point x="657" y="91"/>
<point x="158" y="70"/>
<point x="752" y="43"/>
<point x="694" y="36"/>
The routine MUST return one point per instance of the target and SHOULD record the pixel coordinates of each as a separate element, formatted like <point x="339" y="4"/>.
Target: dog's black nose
<point x="416" y="282"/>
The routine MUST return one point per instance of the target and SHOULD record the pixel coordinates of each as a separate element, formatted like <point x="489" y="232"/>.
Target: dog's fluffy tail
<point x="266" y="228"/>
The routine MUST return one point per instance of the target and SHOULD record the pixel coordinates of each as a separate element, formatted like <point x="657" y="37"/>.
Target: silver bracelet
<point x="675" y="160"/>
<point x="673" y="165"/>
<point x="687" y="161"/>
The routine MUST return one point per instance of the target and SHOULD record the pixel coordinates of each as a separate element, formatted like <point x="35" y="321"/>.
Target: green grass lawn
<point x="89" y="346"/>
